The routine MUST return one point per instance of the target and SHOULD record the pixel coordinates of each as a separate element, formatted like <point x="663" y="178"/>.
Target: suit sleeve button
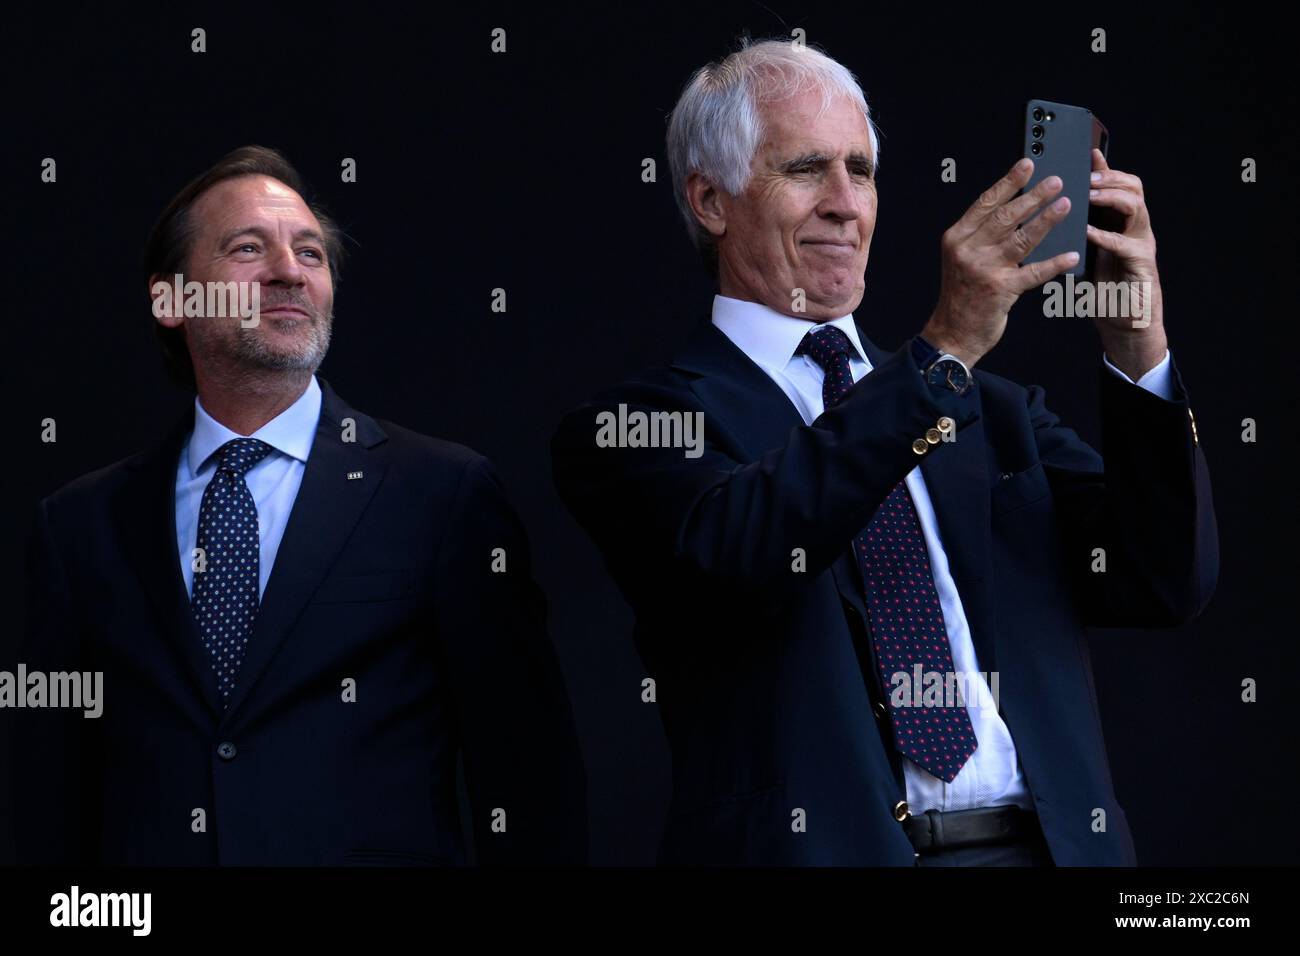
<point x="946" y="424"/>
<point x="920" y="446"/>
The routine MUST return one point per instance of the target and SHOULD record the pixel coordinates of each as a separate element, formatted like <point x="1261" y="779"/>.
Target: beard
<point x="264" y="347"/>
<point x="252" y="348"/>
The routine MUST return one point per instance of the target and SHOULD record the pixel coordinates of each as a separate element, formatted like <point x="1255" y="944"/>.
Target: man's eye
<point x="313" y="252"/>
<point x="246" y="246"/>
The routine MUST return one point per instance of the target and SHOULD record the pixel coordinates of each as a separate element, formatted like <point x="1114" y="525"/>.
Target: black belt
<point x="936" y="830"/>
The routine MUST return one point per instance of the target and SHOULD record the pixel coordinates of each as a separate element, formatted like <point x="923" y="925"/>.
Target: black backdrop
<point x="522" y="171"/>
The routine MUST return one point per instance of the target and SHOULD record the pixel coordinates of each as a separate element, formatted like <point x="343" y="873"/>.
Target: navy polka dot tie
<point x="224" y="600"/>
<point x="907" y="626"/>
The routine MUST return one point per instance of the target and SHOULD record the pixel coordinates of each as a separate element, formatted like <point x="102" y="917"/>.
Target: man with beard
<point x="304" y="616"/>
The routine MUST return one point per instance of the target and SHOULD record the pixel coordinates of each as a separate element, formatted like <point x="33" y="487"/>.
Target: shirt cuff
<point x="1158" y="381"/>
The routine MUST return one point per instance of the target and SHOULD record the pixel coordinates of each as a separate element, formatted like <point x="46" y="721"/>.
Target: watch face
<point x="949" y="374"/>
<point x="957" y="378"/>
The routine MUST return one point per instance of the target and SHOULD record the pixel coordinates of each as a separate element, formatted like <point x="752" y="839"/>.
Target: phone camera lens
<point x="1036" y="149"/>
<point x="1038" y="114"/>
<point x="1037" y="132"/>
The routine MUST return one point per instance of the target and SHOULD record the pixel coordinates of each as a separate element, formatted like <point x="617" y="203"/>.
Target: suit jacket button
<point x="933" y="436"/>
<point x="945" y="424"/>
<point x="901" y="812"/>
<point x="226" y="750"/>
<point x="920" y="446"/>
<point x="880" y="709"/>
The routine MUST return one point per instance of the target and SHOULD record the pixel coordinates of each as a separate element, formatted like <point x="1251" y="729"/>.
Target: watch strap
<point x="923" y="352"/>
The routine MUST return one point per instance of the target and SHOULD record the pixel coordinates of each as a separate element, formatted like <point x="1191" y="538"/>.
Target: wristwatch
<point x="945" y="369"/>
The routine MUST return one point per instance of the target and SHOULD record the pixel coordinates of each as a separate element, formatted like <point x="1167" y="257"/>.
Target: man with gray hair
<point x="866" y="530"/>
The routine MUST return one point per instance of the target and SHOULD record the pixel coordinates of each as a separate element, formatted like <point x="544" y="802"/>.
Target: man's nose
<point x="282" y="266"/>
<point x="839" y="199"/>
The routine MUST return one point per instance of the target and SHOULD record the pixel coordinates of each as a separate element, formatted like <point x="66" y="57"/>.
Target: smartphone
<point x="1059" y="138"/>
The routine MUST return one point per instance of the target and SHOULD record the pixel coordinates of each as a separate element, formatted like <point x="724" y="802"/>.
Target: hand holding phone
<point x="1059" y="139"/>
<point x="981" y="275"/>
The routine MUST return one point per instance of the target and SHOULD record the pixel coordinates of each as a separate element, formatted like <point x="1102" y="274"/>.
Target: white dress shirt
<point x="273" y="481"/>
<point x="993" y="775"/>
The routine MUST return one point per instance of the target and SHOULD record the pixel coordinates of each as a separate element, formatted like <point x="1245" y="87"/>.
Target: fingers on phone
<point x="1026" y="237"/>
<point x="1034" y="274"/>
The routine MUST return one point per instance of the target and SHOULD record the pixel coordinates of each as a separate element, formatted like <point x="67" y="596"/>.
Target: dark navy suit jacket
<point x="765" y="681"/>
<point x="385" y="579"/>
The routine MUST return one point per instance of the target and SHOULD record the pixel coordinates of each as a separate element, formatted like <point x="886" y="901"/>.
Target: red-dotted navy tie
<point x="907" y="626"/>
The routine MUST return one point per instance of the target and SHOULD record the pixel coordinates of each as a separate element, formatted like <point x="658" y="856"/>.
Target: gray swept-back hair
<point x="717" y="126"/>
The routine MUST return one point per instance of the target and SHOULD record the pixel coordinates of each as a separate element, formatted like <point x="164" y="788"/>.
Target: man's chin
<point x="283" y="347"/>
<point x="290" y="363"/>
<point x="282" y="359"/>
<point x="832" y="304"/>
<point x="831" y="293"/>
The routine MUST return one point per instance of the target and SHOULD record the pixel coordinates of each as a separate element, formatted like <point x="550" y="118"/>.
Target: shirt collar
<point x="770" y="338"/>
<point x="291" y="432"/>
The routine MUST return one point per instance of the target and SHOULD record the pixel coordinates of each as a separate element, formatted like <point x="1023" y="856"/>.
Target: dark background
<point x="522" y="171"/>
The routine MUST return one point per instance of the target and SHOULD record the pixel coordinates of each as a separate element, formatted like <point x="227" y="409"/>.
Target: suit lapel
<point x="742" y="399"/>
<point x="327" y="508"/>
<point x="747" y="405"/>
<point x="145" y="521"/>
<point x="744" y="403"/>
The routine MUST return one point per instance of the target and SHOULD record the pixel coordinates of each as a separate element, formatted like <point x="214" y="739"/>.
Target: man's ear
<point x="166" y="309"/>
<point x="706" y="203"/>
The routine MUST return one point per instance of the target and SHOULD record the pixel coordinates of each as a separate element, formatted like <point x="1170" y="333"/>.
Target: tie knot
<point x="827" y="345"/>
<point x="240" y="454"/>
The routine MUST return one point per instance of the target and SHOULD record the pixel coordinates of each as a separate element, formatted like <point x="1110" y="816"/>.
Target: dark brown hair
<point x="171" y="239"/>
